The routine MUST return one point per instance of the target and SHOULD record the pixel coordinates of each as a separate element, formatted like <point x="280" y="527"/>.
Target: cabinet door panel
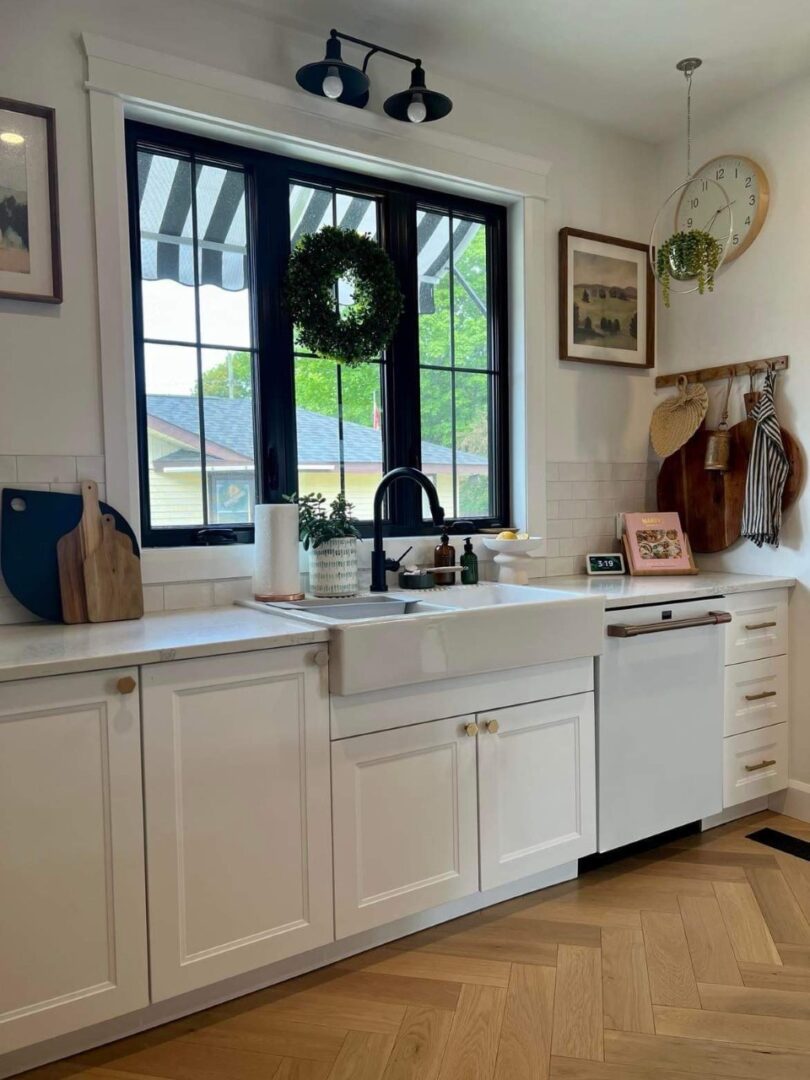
<point x="537" y="787"/>
<point x="72" y="907"/>
<point x="405" y="822"/>
<point x="236" y="757"/>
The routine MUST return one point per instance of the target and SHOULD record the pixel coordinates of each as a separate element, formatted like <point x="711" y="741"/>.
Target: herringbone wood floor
<point x="689" y="962"/>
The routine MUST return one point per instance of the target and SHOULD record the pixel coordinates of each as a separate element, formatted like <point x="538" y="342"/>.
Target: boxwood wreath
<point x="360" y="333"/>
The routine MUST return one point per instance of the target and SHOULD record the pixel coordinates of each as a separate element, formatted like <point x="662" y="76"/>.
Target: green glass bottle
<point x="469" y="560"/>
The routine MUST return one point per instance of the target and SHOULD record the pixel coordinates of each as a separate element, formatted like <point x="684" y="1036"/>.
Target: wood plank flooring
<point x="691" y="962"/>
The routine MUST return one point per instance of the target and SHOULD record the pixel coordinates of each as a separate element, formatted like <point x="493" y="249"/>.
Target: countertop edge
<point x="637" y="591"/>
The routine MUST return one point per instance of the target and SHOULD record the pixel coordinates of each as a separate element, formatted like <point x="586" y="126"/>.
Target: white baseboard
<point x="732" y="813"/>
<point x="794" y="801"/>
<point x="163" y="1012"/>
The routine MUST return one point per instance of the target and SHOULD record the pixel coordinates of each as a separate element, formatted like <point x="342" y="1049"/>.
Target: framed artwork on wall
<point x="607" y="300"/>
<point x="30" y="263"/>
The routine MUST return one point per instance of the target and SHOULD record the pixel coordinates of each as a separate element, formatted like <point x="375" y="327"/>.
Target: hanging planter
<point x="704" y="228"/>
<point x="361" y="331"/>
<point x="688" y="256"/>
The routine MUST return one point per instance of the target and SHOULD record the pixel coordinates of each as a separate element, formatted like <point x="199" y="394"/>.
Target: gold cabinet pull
<point x="762" y="765"/>
<point x="759" y="625"/>
<point x="471" y="729"/>
<point x="126" y="684"/>
<point x="493" y="727"/>
<point x="759" y="697"/>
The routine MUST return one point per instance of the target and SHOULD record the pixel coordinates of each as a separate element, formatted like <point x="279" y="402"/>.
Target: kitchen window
<point x="232" y="410"/>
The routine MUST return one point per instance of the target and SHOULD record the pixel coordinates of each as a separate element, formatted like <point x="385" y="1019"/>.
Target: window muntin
<point x="338" y="409"/>
<point x="224" y="345"/>
<point x="457" y="368"/>
<point x="198" y="354"/>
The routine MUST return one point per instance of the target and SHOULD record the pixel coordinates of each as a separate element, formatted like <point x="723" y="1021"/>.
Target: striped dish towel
<point x="768" y="470"/>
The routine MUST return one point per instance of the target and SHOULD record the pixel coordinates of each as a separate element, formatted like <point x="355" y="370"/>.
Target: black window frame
<point x="267" y="183"/>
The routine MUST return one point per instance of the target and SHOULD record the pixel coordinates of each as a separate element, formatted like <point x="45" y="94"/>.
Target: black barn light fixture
<point x="332" y="77"/>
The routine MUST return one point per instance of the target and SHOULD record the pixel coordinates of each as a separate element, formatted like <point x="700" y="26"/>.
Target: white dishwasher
<point x="660" y="726"/>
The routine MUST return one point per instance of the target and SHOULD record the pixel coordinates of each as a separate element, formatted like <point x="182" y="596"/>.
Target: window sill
<point x="160" y="566"/>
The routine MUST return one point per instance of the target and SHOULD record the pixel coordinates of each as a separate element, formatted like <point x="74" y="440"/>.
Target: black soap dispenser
<point x="469" y="560"/>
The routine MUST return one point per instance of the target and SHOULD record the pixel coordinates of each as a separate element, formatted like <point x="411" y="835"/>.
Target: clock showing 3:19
<point x="702" y="205"/>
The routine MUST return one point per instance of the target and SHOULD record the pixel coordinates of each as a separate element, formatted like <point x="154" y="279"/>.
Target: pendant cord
<point x="688" y="124"/>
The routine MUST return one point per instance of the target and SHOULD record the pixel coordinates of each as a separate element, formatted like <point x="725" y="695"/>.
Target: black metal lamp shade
<point x="417" y="104"/>
<point x="355" y="82"/>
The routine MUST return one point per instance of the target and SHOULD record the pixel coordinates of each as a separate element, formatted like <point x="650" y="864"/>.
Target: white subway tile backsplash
<point x="46" y="469"/>
<point x="552" y="470"/>
<point x="554" y="510"/>
<point x="8" y="468"/>
<point x="572" y="470"/>
<point x="189" y="594"/>
<point x="630" y="470"/>
<point x="559" y="529"/>
<point x="559" y="567"/>
<point x="556" y="489"/>
<point x="599" y="470"/>
<point x="67" y="489"/>
<point x="227" y="592"/>
<point x="90" y="468"/>
<point x="12" y="612"/>
<point x="152" y="598"/>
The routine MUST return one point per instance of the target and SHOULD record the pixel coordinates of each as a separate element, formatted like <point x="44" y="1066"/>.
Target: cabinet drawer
<point x="754" y="764"/>
<point x="756" y="695"/>
<point x="758" y="627"/>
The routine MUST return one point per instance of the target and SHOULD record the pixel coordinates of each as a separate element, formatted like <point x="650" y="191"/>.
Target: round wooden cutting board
<point x="710" y="504"/>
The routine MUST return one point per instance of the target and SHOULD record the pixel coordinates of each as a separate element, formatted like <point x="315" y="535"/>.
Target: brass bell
<point x="718" y="444"/>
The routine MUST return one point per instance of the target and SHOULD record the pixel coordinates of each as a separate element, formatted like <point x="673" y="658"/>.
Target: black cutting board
<point x="31" y="524"/>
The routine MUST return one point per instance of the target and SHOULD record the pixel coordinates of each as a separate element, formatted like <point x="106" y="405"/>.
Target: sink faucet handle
<point x="394" y="564"/>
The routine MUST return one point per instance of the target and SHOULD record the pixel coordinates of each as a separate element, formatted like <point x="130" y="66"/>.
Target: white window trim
<point x="129" y="81"/>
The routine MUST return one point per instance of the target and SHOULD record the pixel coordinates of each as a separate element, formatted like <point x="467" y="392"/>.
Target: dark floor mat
<point x="782" y="842"/>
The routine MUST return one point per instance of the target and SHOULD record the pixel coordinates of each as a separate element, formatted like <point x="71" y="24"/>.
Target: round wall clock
<point x="701" y="204"/>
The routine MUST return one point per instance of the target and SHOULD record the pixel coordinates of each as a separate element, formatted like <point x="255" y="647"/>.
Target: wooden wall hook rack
<point x="712" y="374"/>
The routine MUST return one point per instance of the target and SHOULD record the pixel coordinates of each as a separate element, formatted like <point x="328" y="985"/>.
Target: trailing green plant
<point x="694" y="254"/>
<point x="316" y="526"/>
<point x="360" y="332"/>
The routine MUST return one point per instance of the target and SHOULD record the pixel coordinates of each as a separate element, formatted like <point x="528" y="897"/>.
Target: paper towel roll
<point x="275" y="567"/>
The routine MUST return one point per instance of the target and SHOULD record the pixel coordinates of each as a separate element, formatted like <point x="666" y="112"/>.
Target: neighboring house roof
<point x="229" y="434"/>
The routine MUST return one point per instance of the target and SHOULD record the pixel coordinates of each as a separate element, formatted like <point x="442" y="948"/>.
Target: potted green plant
<point x="330" y="536"/>
<point x="685" y="256"/>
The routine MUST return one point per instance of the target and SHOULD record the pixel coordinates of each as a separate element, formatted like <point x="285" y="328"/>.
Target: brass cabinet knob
<point x="321" y="658"/>
<point x="126" y="685"/>
<point x="471" y="729"/>
<point x="493" y="727"/>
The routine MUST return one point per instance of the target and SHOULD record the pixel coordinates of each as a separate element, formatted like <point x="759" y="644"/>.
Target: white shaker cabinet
<point x="405" y="821"/>
<point x="237" y="795"/>
<point x="72" y="905"/>
<point x="537" y="787"/>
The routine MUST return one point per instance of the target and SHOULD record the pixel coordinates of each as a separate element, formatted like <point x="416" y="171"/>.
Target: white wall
<point x="760" y="308"/>
<point x="50" y="401"/>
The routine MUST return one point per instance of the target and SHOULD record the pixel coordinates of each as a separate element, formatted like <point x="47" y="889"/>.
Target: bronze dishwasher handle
<point x="762" y="765"/>
<point x="759" y="625"/>
<point x="759" y="697"/>
<point x="627" y="630"/>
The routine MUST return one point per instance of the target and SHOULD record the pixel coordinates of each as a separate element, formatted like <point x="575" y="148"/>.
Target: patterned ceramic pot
<point x="333" y="568"/>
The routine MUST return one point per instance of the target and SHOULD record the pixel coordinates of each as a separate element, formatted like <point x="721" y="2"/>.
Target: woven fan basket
<point x="676" y="420"/>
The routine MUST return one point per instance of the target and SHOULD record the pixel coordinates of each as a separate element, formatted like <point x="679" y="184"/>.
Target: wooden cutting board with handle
<point x="710" y="504"/>
<point x="112" y="577"/>
<point x="71" y="551"/>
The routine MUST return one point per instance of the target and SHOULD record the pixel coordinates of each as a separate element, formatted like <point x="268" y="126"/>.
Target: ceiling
<point x="610" y="61"/>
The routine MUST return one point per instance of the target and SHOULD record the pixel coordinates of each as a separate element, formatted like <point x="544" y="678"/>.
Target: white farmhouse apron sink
<point x="396" y="639"/>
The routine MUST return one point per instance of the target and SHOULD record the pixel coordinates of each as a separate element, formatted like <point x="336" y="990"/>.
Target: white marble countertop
<point x="629" y="591"/>
<point x="37" y="649"/>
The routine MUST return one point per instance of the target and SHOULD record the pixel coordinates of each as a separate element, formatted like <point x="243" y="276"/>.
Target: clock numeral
<point x="748" y="181"/>
<point x="736" y="239"/>
<point x="704" y="185"/>
<point x="689" y="222"/>
<point x="748" y="220"/>
<point x="694" y="203"/>
<point x="752" y="200"/>
<point x="720" y="174"/>
<point x="736" y="174"/>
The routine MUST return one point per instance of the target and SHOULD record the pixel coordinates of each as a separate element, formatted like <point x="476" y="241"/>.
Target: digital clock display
<point x="608" y="563"/>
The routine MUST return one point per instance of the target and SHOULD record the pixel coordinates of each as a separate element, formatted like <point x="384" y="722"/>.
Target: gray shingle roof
<point x="229" y="422"/>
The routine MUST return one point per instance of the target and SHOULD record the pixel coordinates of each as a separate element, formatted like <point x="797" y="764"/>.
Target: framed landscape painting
<point x="30" y="266"/>
<point x="607" y="300"/>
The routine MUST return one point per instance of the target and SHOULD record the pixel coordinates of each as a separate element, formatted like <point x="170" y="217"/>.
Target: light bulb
<point x="332" y="84"/>
<point x="417" y="110"/>
<point x="12" y="138"/>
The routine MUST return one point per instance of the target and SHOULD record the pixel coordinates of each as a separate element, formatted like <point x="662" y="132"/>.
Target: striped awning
<point x="167" y="225"/>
